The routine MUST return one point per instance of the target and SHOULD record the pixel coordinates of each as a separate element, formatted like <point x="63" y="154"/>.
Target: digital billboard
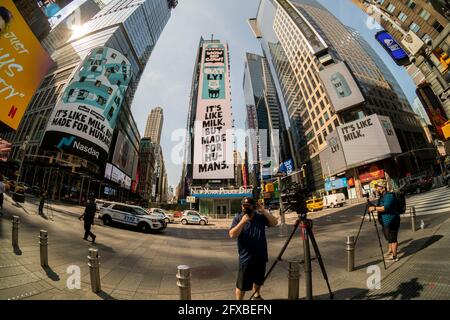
<point x="125" y="156"/>
<point x="23" y="64"/>
<point x="83" y="121"/>
<point x="213" y="139"/>
<point x="389" y="44"/>
<point x="341" y="86"/>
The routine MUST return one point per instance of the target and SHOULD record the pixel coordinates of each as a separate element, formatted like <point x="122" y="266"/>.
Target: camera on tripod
<point x="294" y="197"/>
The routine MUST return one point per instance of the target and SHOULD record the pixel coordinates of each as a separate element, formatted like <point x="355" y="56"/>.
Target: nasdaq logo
<point x="66" y="142"/>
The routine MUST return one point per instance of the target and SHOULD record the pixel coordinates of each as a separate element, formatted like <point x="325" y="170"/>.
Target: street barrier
<point x="184" y="282"/>
<point x="15" y="231"/>
<point x="294" y="280"/>
<point x="94" y="268"/>
<point x="43" y="245"/>
<point x="350" y="248"/>
<point x="413" y="218"/>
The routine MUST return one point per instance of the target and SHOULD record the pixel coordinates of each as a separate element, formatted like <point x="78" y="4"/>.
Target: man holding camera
<point x="389" y="217"/>
<point x="248" y="227"/>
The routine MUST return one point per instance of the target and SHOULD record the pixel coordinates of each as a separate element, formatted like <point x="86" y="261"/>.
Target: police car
<point x="190" y="216"/>
<point x="131" y="215"/>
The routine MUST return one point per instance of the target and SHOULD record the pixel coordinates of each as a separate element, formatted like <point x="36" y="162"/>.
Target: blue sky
<point x="166" y="81"/>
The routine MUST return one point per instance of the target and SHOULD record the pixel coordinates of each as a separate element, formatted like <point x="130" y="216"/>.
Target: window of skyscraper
<point x="410" y="4"/>
<point x="319" y="137"/>
<point x="437" y="26"/>
<point x="414" y="27"/>
<point x="390" y="8"/>
<point x="330" y="128"/>
<point x="402" y="16"/>
<point x="424" y="14"/>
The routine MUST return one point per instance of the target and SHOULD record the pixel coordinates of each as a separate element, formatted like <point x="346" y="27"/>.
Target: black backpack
<point x="400" y="202"/>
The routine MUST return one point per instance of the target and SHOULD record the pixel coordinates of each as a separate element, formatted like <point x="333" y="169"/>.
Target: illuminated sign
<point x="393" y="48"/>
<point x="23" y="64"/>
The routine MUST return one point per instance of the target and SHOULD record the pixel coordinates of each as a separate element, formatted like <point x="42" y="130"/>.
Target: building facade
<point x="132" y="27"/>
<point x="154" y="125"/>
<point x="429" y="20"/>
<point x="300" y="39"/>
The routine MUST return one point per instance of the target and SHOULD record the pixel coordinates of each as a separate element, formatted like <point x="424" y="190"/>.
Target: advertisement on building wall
<point x="433" y="108"/>
<point x="341" y="86"/>
<point x="115" y="174"/>
<point x="213" y="139"/>
<point x="391" y="46"/>
<point x="125" y="156"/>
<point x="335" y="183"/>
<point x="83" y="121"/>
<point x="20" y="75"/>
<point x="358" y="143"/>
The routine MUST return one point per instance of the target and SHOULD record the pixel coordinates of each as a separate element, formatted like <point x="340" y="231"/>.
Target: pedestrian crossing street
<point x="430" y="202"/>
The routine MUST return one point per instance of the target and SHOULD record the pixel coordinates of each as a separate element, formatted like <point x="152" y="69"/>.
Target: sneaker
<point x="392" y="259"/>
<point x="93" y="239"/>
<point x="257" y="298"/>
<point x="84" y="238"/>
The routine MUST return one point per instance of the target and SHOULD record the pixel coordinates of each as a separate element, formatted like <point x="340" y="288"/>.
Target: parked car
<point x="191" y="216"/>
<point x="314" y="204"/>
<point x="177" y="214"/>
<point x="447" y="179"/>
<point x="166" y="216"/>
<point x="131" y="215"/>
<point x="35" y="190"/>
<point x="417" y="185"/>
<point x="334" y="200"/>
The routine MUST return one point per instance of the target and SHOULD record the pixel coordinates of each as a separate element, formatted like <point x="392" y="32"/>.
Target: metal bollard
<point x="350" y="248"/>
<point x="413" y="219"/>
<point x="15" y="231"/>
<point x="184" y="282"/>
<point x="94" y="267"/>
<point x="294" y="280"/>
<point x="43" y="245"/>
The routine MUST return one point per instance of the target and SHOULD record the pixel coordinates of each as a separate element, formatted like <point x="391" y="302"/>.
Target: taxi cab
<point x="131" y="215"/>
<point x="191" y="216"/>
<point x="314" y="204"/>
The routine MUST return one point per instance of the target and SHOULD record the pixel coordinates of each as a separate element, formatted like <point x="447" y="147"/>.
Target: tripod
<point x="371" y="216"/>
<point x="307" y="235"/>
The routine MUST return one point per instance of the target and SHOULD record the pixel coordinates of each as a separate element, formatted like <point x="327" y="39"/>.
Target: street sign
<point x="445" y="95"/>
<point x="190" y="199"/>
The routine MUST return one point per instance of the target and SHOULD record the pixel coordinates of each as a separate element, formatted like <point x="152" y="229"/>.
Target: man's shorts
<point x="390" y="231"/>
<point x="249" y="274"/>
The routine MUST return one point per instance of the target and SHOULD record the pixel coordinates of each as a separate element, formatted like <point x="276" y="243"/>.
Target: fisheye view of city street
<point x="223" y="150"/>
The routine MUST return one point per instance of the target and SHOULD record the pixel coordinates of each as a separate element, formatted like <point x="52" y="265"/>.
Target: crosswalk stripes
<point x="431" y="202"/>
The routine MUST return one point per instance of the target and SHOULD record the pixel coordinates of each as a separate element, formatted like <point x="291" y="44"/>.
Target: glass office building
<point x="131" y="27"/>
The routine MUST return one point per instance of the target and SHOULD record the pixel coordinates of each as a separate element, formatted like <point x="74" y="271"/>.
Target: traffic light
<point x="444" y="59"/>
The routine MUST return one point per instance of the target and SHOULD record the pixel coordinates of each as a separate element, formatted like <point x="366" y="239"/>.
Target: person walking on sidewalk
<point x="248" y="227"/>
<point x="2" y="191"/>
<point x="389" y="217"/>
<point x="42" y="198"/>
<point x="88" y="217"/>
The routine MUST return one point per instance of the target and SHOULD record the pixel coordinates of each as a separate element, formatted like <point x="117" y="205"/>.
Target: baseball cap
<point x="249" y="201"/>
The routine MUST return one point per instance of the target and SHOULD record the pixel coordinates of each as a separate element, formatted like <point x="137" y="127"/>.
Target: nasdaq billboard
<point x="391" y="46"/>
<point x="83" y="121"/>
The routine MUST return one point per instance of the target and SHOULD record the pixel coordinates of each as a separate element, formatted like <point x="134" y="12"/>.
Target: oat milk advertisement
<point x="84" y="119"/>
<point x="213" y="137"/>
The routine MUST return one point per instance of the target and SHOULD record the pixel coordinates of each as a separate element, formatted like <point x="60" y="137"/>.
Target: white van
<point x="334" y="200"/>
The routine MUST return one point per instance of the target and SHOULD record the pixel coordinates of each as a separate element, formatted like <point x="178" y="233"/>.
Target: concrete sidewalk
<point x="138" y="266"/>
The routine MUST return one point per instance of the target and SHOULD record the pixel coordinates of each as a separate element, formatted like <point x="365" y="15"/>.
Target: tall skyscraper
<point x="35" y="17"/>
<point x="301" y="41"/>
<point x="264" y="114"/>
<point x="154" y="125"/>
<point x="209" y="152"/>
<point x="132" y="28"/>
